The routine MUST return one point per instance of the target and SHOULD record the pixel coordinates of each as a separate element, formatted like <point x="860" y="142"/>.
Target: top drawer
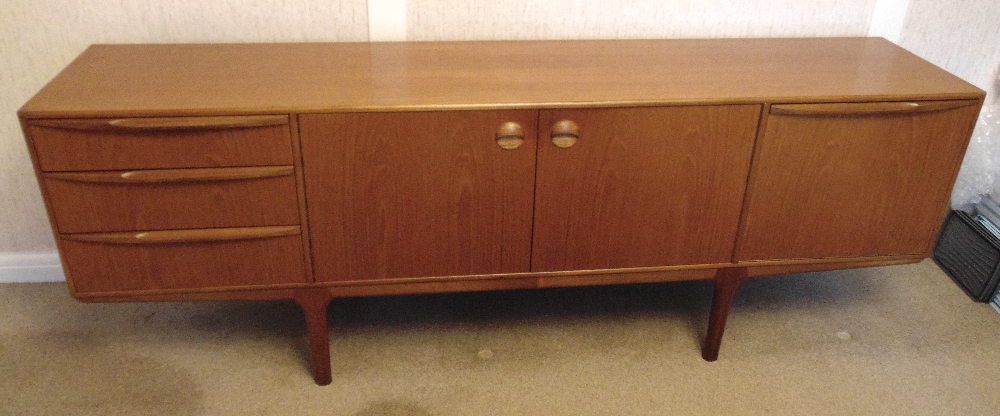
<point x="155" y="143"/>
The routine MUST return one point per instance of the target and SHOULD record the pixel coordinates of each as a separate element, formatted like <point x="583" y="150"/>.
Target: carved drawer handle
<point x="565" y="134"/>
<point x="185" y="236"/>
<point x="174" y="175"/>
<point x="510" y="135"/>
<point x="864" y="109"/>
<point x="165" y="123"/>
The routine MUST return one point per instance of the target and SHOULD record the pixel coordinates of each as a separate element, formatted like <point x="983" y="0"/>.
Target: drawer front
<point x="160" y="143"/>
<point x="119" y="262"/>
<point x="172" y="199"/>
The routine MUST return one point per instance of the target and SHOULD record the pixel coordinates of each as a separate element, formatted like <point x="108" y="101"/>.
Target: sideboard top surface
<point x="195" y="79"/>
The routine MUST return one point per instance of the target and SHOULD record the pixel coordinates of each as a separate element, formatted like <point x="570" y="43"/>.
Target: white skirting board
<point x="31" y="268"/>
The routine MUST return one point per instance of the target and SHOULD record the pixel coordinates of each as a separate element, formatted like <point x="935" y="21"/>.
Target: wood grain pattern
<point x="642" y="187"/>
<point x="59" y="149"/>
<point x="97" y="267"/>
<point x="93" y="205"/>
<point x="852" y="186"/>
<point x="417" y="194"/>
<point x="199" y="79"/>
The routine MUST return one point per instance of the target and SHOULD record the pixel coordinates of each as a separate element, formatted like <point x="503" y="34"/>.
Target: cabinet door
<point x="853" y="180"/>
<point x="417" y="194"/>
<point x="641" y="187"/>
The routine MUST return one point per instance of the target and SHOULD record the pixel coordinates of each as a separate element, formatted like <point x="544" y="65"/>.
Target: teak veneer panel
<point x="120" y="267"/>
<point x="852" y="185"/>
<point x="653" y="186"/>
<point x="417" y="194"/>
<point x="58" y="147"/>
<point x="82" y="207"/>
<point x="313" y="77"/>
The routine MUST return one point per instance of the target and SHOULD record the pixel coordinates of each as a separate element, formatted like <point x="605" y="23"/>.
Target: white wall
<point x="533" y="19"/>
<point x="39" y="37"/>
<point x="963" y="37"/>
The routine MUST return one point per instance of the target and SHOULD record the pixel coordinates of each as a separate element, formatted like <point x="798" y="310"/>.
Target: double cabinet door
<point x="453" y="193"/>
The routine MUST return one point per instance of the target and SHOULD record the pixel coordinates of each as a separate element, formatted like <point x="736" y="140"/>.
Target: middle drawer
<point x="165" y="199"/>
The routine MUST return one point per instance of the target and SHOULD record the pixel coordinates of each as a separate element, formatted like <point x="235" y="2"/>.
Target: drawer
<point x="160" y="143"/>
<point x="185" y="259"/>
<point x="172" y="199"/>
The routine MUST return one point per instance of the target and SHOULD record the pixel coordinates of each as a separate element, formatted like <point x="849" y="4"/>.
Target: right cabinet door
<point x="640" y="187"/>
<point x="853" y="180"/>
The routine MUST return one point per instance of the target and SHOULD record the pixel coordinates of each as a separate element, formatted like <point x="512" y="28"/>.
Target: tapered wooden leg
<point x="314" y="303"/>
<point x="726" y="282"/>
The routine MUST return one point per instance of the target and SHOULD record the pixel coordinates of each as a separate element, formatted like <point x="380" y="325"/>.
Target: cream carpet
<point x="900" y="340"/>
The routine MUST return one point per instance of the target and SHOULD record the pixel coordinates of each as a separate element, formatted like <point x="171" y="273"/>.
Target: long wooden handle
<point x="865" y="109"/>
<point x="185" y="236"/>
<point x="164" y="123"/>
<point x="174" y="175"/>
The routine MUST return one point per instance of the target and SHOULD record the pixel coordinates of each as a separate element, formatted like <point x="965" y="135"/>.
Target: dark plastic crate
<point x="970" y="254"/>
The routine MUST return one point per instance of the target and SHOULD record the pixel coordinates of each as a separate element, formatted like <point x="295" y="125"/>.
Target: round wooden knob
<point x="510" y="135"/>
<point x="565" y="133"/>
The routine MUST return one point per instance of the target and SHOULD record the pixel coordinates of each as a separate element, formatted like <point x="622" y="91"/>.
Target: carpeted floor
<point x="900" y="340"/>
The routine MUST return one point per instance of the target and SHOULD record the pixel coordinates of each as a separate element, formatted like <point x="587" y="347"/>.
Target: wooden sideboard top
<point x="199" y="79"/>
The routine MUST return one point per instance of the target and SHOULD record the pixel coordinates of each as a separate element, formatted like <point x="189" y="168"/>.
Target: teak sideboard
<point x="316" y="171"/>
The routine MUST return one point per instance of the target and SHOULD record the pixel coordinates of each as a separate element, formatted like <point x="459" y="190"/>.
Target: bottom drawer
<point x="184" y="259"/>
